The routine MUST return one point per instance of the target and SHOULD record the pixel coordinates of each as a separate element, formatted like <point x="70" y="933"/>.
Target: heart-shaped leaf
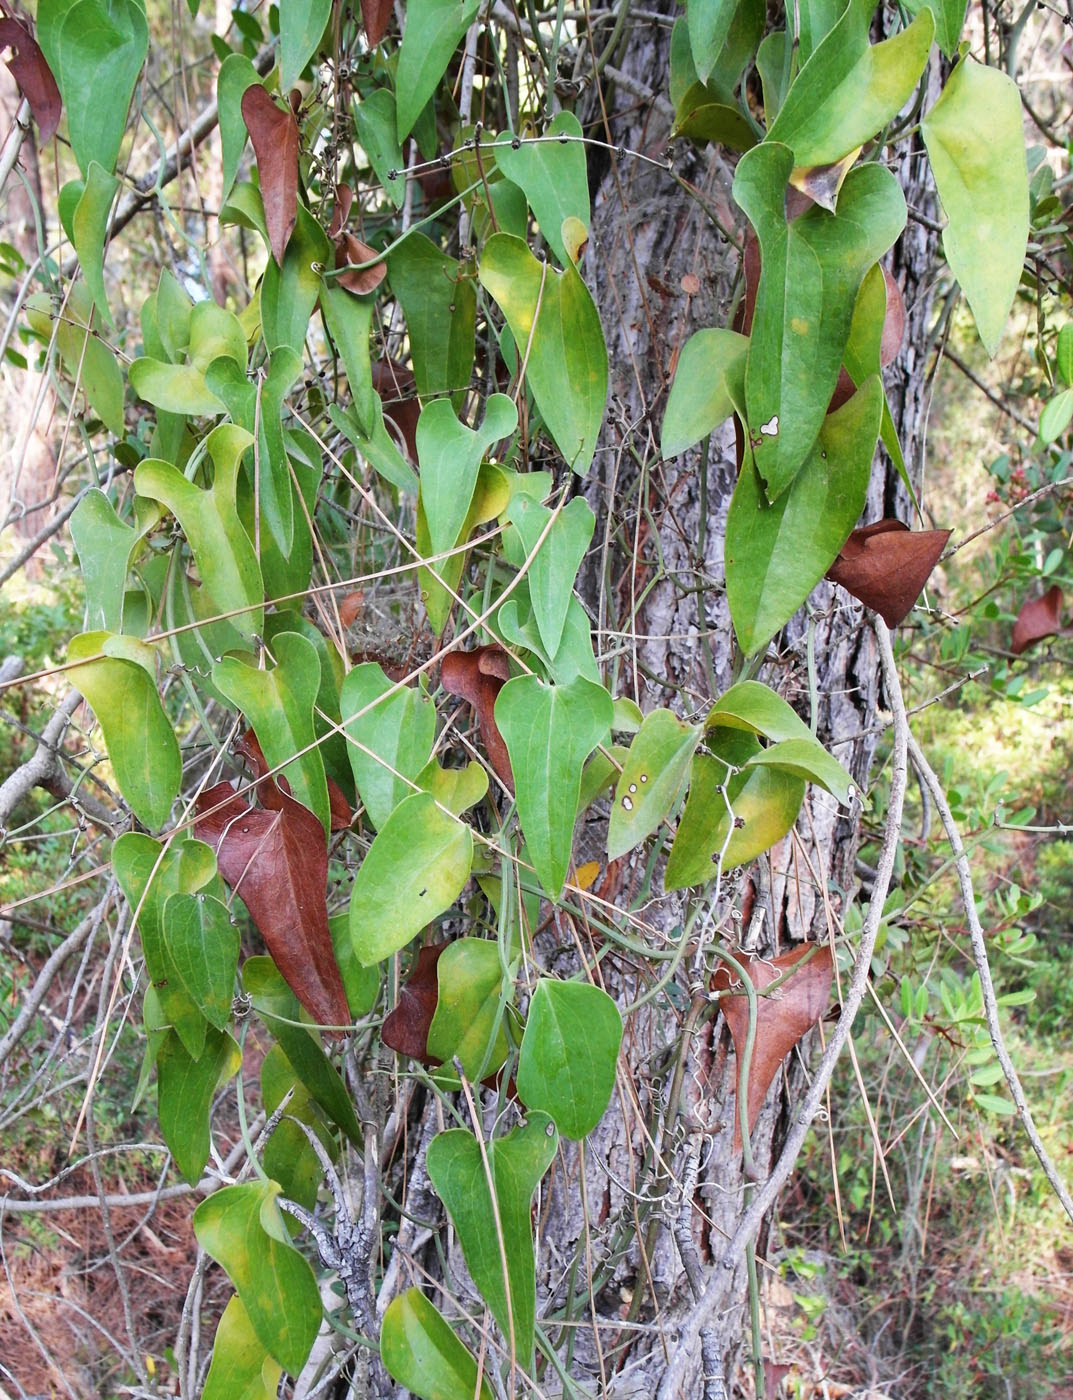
<point x="651" y="781"/>
<point x="203" y="943"/>
<point x="549" y="731"/>
<point x="100" y="47"/>
<point x="241" y="1366"/>
<point x="489" y="1208"/>
<point x="702" y="396"/>
<point x="472" y="990"/>
<point x="416" y="868"/>
<point x="450" y="454"/>
<point x="569" y="1054"/>
<point x="242" y="1228"/>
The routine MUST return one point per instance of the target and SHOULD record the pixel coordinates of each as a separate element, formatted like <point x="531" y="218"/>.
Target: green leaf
<point x="241" y="1227"/>
<point x="301" y="25"/>
<point x="817" y="19"/>
<point x="724" y="123"/>
<point x="174" y="388"/>
<point x="433" y="29"/>
<point x="756" y="708"/>
<point x="416" y="868"/>
<point x="709" y="379"/>
<point x="457" y="789"/>
<point x="569" y="1054"/>
<point x="550" y="730"/>
<point x="104" y="543"/>
<point x="203" y="944"/>
<point x="556" y="329"/>
<point x="777" y="553"/>
<point x="395" y="727"/>
<point x="237" y="74"/>
<point x="709" y="24"/>
<point x="279" y="1009"/>
<point x="377" y="447"/>
<point x="241" y="1367"/>
<point x="215" y="332"/>
<point x="808" y="759"/>
<point x="553" y="176"/>
<point x="450" y="455"/>
<point x="473" y="988"/>
<point x="137" y="733"/>
<point x="1063" y="355"/>
<point x="361" y="984"/>
<point x="735" y="816"/>
<point x="225" y="558"/>
<point x="651" y="781"/>
<point x="421" y="1350"/>
<point x="439" y="302"/>
<point x="279" y="705"/>
<point x="289" y="293"/>
<point x="949" y="21"/>
<point x="185" y="1090"/>
<point x="811" y="271"/>
<point x="88" y="360"/>
<point x="375" y="124"/>
<point x="1056" y="415"/>
<point x="348" y="319"/>
<point x="150" y="874"/>
<point x="99" y="51"/>
<point x="850" y="89"/>
<point x="489" y="501"/>
<point x="553" y="568"/>
<point x="89" y="229"/>
<point x="976" y="146"/>
<point x="492" y="1227"/>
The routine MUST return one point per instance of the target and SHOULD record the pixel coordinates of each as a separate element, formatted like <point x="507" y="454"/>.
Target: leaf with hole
<point x="557" y="331"/>
<point x="416" y="868"/>
<point x="549" y="731"/>
<point x="421" y="1350"/>
<point x="489" y="1207"/>
<point x="241" y="1227"/>
<point x="976" y="147"/>
<point x="569" y="1054"/>
<point x="777" y="553"/>
<point x="651" y="782"/>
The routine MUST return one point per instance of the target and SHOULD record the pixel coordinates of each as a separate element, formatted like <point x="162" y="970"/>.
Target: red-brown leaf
<point x="405" y="1028"/>
<point x="33" y="76"/>
<point x="781" y="1019"/>
<point x="278" y="862"/>
<point x="349" y="252"/>
<point x="268" y="788"/>
<point x="274" y="134"/>
<point x="396" y="386"/>
<point x="893" y="322"/>
<point x="478" y="676"/>
<point x="376" y="16"/>
<point x="886" y="565"/>
<point x="1038" y="618"/>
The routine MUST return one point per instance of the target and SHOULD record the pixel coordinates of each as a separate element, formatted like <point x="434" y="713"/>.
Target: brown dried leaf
<point x="781" y="1019"/>
<point x="268" y="788"/>
<point x="886" y="565"/>
<point x="478" y="676"/>
<point x="278" y="862"/>
<point x="33" y="76"/>
<point x="405" y="1028"/>
<point x="349" y="253"/>
<point x="1038" y="618"/>
<point x="350" y="606"/>
<point x="893" y="322"/>
<point x="376" y="16"/>
<point x="820" y="183"/>
<point x="274" y="134"/>
<point x="396" y="386"/>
